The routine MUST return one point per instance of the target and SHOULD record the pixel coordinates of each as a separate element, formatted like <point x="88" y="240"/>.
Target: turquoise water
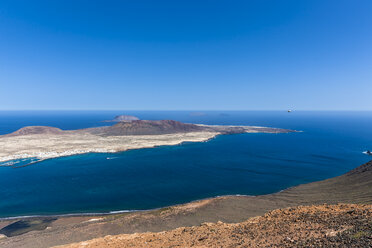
<point x="331" y="144"/>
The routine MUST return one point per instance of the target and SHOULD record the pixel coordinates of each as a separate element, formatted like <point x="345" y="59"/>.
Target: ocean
<point x="330" y="144"/>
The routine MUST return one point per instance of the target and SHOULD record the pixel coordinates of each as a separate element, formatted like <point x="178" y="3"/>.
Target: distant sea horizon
<point x="332" y="143"/>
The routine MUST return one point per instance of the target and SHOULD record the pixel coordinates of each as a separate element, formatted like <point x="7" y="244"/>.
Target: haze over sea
<point x="331" y="144"/>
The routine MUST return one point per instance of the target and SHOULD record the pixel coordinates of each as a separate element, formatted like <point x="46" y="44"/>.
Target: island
<point x="125" y="118"/>
<point x="43" y="142"/>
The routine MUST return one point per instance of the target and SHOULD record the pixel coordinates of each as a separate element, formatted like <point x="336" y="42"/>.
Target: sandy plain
<point x="44" y="146"/>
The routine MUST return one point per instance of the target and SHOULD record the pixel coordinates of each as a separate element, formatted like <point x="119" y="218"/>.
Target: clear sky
<point x="186" y="55"/>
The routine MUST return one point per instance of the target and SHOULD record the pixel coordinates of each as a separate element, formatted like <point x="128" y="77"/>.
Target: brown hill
<point x="134" y="127"/>
<point x="146" y="127"/>
<point x="36" y="130"/>
<point x="149" y="127"/>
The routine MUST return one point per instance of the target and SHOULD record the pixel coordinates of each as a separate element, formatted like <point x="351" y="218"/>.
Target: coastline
<point x="123" y="143"/>
<point x="212" y="198"/>
<point x="115" y="212"/>
<point x="354" y="187"/>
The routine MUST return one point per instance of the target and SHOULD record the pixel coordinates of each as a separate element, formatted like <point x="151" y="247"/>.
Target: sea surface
<point x="331" y="144"/>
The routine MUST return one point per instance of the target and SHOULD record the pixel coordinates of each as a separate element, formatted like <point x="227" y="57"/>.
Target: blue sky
<point x="186" y="55"/>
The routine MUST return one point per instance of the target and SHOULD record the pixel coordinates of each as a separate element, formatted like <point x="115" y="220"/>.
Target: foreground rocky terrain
<point x="354" y="187"/>
<point x="50" y="142"/>
<point x="312" y="226"/>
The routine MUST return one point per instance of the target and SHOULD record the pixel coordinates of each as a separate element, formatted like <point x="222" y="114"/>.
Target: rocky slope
<point x="312" y="226"/>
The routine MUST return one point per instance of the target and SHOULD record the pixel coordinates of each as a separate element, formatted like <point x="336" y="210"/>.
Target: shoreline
<point x="115" y="212"/>
<point x="153" y="142"/>
<point x="67" y="153"/>
<point x="353" y="187"/>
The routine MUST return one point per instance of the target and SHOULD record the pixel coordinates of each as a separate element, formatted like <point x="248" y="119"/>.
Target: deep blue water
<point x="331" y="144"/>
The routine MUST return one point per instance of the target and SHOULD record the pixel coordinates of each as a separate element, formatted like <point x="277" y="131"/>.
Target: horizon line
<point x="190" y="110"/>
